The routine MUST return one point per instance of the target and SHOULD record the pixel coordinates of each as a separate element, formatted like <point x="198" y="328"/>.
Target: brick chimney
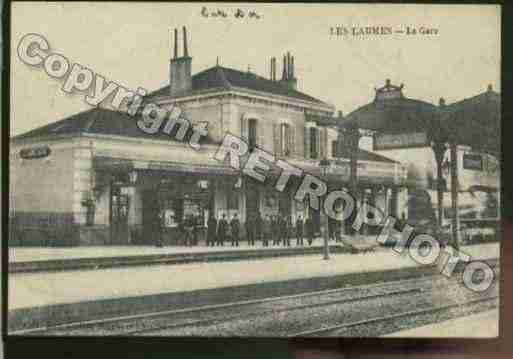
<point x="272" y="75"/>
<point x="180" y="80"/>
<point x="288" y="77"/>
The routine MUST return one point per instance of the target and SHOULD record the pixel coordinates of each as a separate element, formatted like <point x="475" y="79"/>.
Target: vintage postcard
<point x="254" y="170"/>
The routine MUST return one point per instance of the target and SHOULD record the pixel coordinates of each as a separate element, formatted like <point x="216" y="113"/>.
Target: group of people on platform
<point x="270" y="230"/>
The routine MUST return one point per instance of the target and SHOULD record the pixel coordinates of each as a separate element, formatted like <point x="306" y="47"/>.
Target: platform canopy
<point x="392" y="112"/>
<point x="395" y="120"/>
<point x="400" y="122"/>
<point x="476" y="122"/>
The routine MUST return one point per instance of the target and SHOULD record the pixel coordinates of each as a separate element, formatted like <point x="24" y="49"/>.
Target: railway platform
<point x="43" y="259"/>
<point x="37" y="299"/>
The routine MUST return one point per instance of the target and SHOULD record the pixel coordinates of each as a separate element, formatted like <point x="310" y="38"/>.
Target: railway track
<point x="325" y="331"/>
<point x="222" y="308"/>
<point x="300" y="319"/>
<point x="147" y="323"/>
<point x="210" y="321"/>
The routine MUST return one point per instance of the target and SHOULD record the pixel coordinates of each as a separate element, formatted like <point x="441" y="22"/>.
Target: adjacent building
<point x="402" y="129"/>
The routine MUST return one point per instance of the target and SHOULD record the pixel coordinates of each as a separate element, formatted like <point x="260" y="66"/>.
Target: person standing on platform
<point x="299" y="231"/>
<point x="211" y="230"/>
<point x="222" y="230"/>
<point x="228" y="237"/>
<point x="309" y="230"/>
<point x="258" y="224"/>
<point x="331" y="229"/>
<point x="195" y="230"/>
<point x="250" y="230"/>
<point x="287" y="231"/>
<point x="267" y="228"/>
<point x="275" y="227"/>
<point x="281" y="229"/>
<point x="338" y="231"/>
<point x="188" y="229"/>
<point x="159" y="226"/>
<point x="235" y="230"/>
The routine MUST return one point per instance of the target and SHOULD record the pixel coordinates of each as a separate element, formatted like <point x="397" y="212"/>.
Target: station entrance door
<point x="119" y="207"/>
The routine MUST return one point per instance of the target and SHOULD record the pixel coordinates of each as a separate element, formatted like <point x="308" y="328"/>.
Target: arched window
<point x="252" y="133"/>
<point x="314" y="142"/>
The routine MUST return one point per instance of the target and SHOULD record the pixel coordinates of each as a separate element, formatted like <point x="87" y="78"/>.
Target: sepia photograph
<point x="277" y="170"/>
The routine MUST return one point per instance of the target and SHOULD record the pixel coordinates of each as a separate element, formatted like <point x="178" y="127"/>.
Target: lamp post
<point x="441" y="134"/>
<point x="348" y="140"/>
<point x="324" y="165"/>
<point x="438" y="137"/>
<point x="439" y="149"/>
<point x="454" y="196"/>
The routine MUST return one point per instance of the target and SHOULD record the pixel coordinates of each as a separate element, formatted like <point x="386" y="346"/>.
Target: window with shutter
<point x="314" y="143"/>
<point x="334" y="148"/>
<point x="252" y="133"/>
<point x="244" y="128"/>
<point x="277" y="138"/>
<point x="306" y="138"/>
<point x="293" y="149"/>
<point x="285" y="139"/>
<point x="323" y="142"/>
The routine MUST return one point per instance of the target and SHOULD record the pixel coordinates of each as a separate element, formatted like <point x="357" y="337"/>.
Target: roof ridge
<point x="228" y="78"/>
<point x="484" y="94"/>
<point x="52" y="126"/>
<point x="91" y="121"/>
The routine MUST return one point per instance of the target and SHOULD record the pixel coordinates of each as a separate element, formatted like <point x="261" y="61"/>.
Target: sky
<point x="130" y="43"/>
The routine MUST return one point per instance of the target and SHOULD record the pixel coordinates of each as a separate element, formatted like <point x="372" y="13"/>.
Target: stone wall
<point x="41" y="196"/>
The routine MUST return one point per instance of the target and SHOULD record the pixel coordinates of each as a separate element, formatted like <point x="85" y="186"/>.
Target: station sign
<point x="338" y="167"/>
<point x="35" y="152"/>
<point x="473" y="161"/>
<point x="388" y="141"/>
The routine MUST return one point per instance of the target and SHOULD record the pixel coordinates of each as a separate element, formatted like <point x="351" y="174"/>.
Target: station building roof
<point x="98" y="121"/>
<point x="224" y="78"/>
<point x="108" y="122"/>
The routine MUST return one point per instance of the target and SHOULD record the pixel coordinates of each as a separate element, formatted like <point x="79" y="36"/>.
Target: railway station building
<point x="95" y="178"/>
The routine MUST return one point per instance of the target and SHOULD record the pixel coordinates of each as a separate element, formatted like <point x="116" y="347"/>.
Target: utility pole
<point x="352" y="139"/>
<point x="347" y="143"/>
<point x="439" y="138"/>
<point x="439" y="149"/>
<point x="324" y="165"/>
<point x="454" y="196"/>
